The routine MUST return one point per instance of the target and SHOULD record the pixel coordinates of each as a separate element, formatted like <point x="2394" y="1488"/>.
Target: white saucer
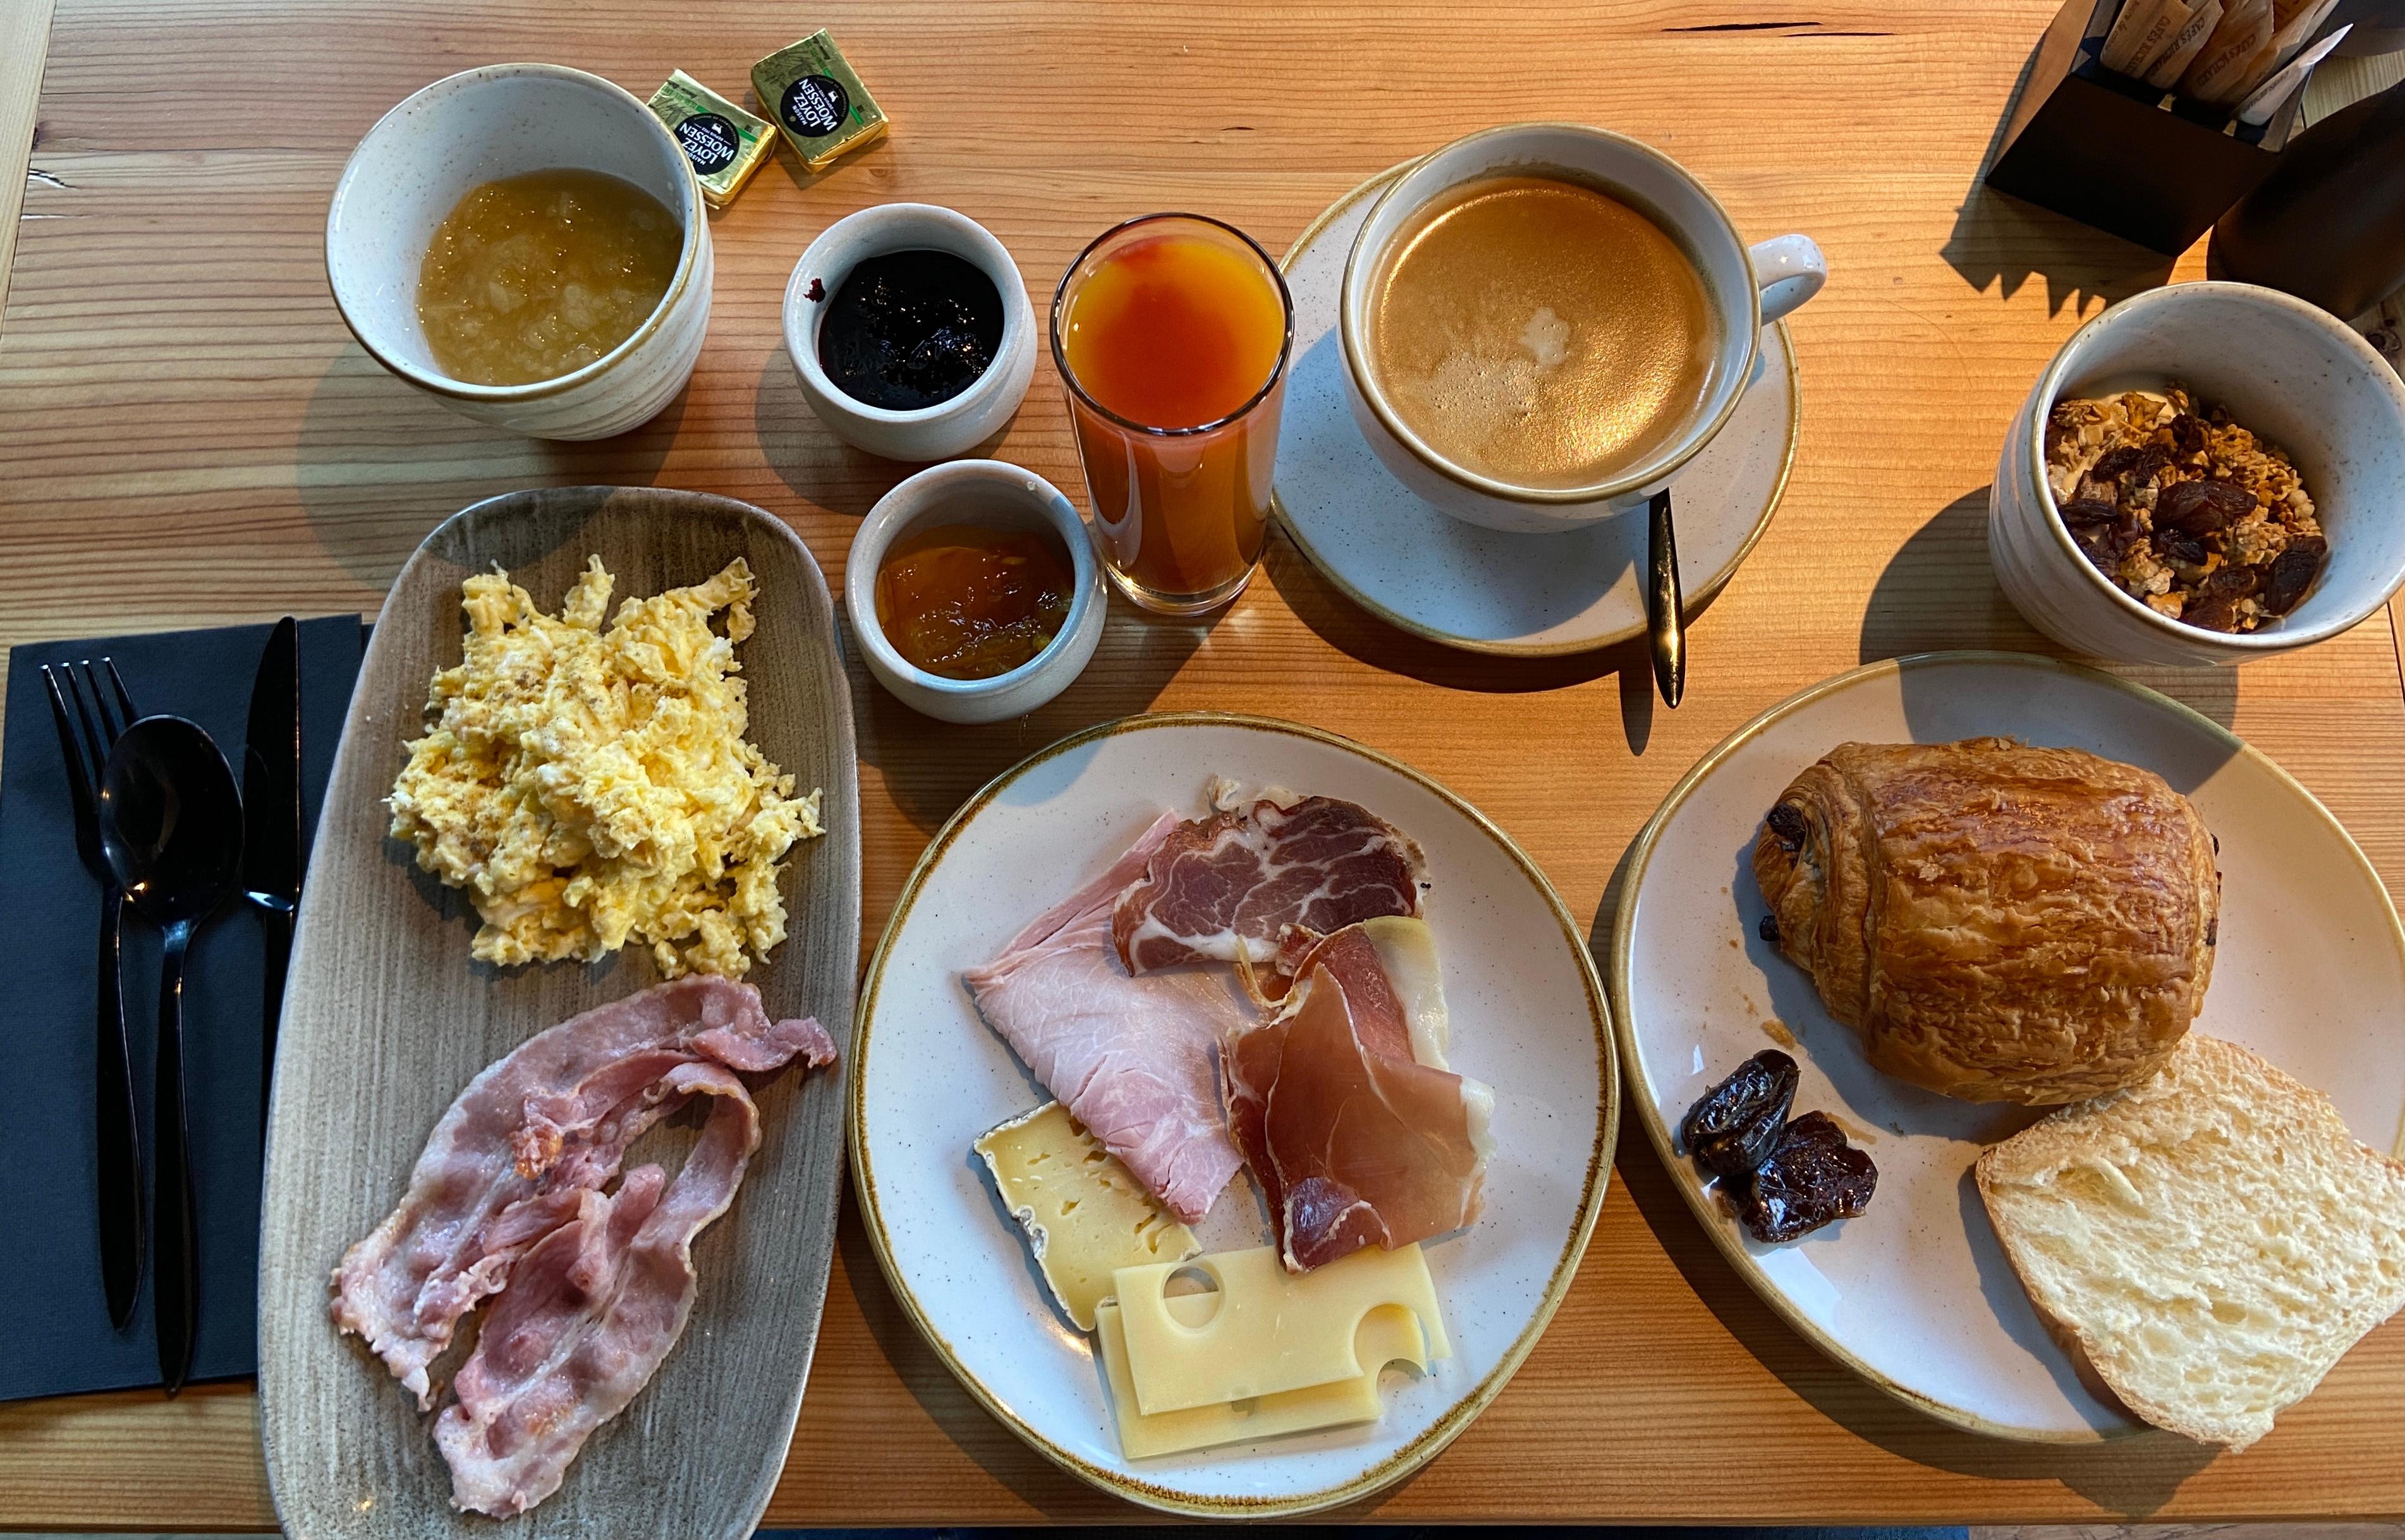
<point x="1398" y="556"/>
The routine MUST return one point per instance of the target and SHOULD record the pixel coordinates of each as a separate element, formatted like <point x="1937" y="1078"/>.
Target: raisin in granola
<point x="2189" y="512"/>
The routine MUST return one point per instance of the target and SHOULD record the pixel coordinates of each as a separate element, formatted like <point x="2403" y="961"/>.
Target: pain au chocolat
<point x="2000" y="922"/>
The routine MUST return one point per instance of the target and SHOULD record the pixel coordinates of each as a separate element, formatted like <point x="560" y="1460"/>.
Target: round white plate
<point x="928" y="1077"/>
<point x="1400" y="557"/>
<point x="1916" y="1295"/>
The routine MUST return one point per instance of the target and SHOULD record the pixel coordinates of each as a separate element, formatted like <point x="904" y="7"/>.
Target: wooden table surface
<point x="188" y="436"/>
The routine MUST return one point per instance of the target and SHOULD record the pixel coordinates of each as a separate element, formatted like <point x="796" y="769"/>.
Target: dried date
<point x="1739" y="1121"/>
<point x="1812" y="1178"/>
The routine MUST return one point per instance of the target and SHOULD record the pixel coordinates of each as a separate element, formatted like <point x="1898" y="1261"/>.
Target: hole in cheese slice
<point x="1272" y="1331"/>
<point x="1388" y="1334"/>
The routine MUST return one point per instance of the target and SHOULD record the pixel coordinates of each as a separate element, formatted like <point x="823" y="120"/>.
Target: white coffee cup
<point x="1748" y="288"/>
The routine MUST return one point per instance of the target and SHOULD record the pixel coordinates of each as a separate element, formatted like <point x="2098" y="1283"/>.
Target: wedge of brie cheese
<point x="1085" y="1216"/>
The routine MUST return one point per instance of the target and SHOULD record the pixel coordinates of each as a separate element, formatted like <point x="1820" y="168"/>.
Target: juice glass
<point x="1171" y="334"/>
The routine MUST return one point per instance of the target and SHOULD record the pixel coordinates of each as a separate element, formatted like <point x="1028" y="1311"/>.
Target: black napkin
<point x="55" y="1333"/>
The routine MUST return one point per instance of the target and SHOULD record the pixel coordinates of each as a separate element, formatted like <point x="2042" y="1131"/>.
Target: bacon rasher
<point x="516" y="1170"/>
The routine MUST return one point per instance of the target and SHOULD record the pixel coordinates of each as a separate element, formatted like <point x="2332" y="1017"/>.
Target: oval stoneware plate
<point x="385" y="1017"/>
<point x="1915" y="1294"/>
<point x="1528" y="1018"/>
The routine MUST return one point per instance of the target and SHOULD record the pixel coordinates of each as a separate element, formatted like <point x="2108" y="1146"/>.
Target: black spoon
<point x="171" y="831"/>
<point x="1665" y="608"/>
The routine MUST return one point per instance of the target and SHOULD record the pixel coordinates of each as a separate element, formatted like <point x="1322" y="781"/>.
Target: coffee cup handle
<point x="1788" y="270"/>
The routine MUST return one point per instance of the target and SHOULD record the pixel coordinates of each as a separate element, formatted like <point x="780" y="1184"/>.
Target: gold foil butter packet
<point x="817" y="100"/>
<point x="725" y="143"/>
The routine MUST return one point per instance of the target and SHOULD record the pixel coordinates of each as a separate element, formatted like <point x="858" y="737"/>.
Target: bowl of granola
<point x="2206" y="473"/>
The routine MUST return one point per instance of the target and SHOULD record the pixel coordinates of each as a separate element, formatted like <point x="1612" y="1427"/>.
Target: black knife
<point x="271" y="800"/>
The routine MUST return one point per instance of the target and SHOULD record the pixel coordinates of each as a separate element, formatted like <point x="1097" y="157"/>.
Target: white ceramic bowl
<point x="980" y="491"/>
<point x="501" y="120"/>
<point x="929" y="433"/>
<point x="2291" y="373"/>
<point x="1750" y="287"/>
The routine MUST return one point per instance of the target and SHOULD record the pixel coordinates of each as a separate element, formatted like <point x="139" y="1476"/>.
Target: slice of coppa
<point x="1260" y="879"/>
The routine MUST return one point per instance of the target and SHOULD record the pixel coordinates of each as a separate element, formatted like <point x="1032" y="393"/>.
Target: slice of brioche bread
<point x="2212" y="1239"/>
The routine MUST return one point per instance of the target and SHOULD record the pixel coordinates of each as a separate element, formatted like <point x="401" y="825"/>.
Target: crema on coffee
<point x="1539" y="331"/>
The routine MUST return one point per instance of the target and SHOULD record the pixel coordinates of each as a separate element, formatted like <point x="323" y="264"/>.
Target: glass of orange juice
<point x="1171" y="334"/>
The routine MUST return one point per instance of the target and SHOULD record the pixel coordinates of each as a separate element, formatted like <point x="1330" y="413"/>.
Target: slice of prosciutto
<point x="1266" y="878"/>
<point x="1133" y="1059"/>
<point x="1355" y="1138"/>
<point x="530" y="1137"/>
<point x="590" y="1311"/>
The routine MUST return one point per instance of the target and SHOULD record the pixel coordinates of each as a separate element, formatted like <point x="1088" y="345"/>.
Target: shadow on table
<point x="1357" y="634"/>
<point x="1036" y="1481"/>
<point x="931" y="767"/>
<point x="2000" y="242"/>
<point x="1938" y="592"/>
<point x="378" y="464"/>
<point x="811" y="461"/>
<point x="2134" y="1477"/>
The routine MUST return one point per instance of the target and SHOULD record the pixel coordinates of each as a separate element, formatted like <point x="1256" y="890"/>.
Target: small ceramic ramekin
<point x="2297" y="377"/>
<point x="502" y="121"/>
<point x="928" y="433"/>
<point x="978" y="492"/>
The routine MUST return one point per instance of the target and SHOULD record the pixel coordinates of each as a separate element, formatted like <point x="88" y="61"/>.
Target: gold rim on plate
<point x="1463" y="1411"/>
<point x="1683" y="1173"/>
<point x="1695" y="596"/>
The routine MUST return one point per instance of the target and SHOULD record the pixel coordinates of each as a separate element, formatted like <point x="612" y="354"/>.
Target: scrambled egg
<point x="588" y="786"/>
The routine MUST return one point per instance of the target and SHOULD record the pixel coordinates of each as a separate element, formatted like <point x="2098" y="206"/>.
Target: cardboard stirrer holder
<point x="2116" y="153"/>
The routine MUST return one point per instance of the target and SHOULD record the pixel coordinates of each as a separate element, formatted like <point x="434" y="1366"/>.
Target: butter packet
<point x="816" y="99"/>
<point x="725" y="143"/>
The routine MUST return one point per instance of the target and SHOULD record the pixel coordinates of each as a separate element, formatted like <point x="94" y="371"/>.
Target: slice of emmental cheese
<point x="1085" y="1215"/>
<point x="1266" y="1331"/>
<point x="1388" y="1334"/>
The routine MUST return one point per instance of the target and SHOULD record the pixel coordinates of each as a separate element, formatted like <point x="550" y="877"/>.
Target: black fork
<point x="86" y="735"/>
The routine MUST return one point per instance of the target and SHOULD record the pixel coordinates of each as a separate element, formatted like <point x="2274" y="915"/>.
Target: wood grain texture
<point x="189" y="437"/>
<point x="386" y="1019"/>
<point x="25" y="47"/>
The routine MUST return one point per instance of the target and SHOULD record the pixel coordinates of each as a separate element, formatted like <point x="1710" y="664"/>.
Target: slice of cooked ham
<point x="590" y="1312"/>
<point x="1133" y="1059"/>
<point x="1354" y="1142"/>
<point x="506" y="1165"/>
<point x="1252" y="877"/>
